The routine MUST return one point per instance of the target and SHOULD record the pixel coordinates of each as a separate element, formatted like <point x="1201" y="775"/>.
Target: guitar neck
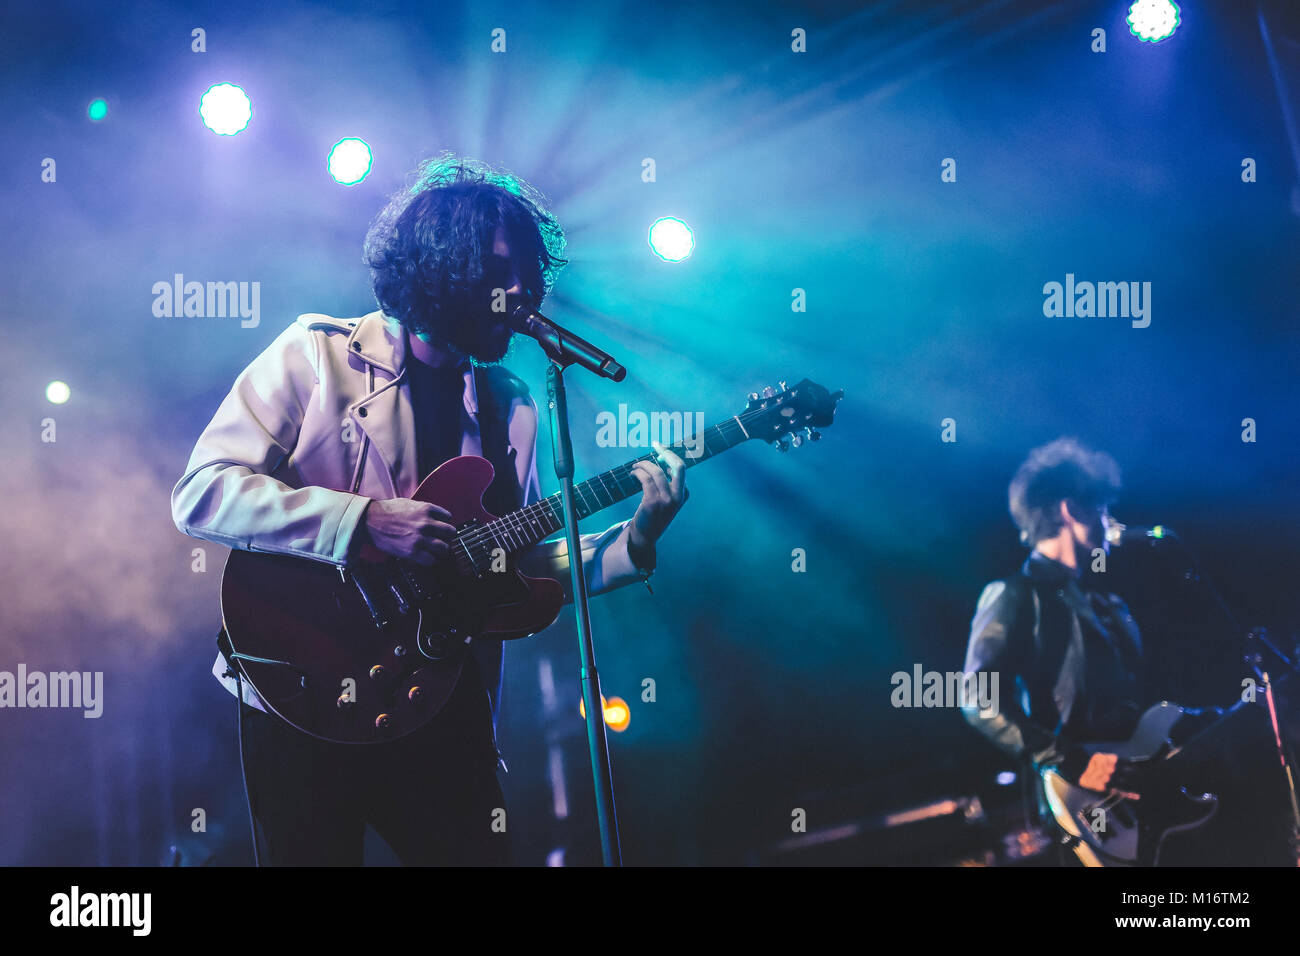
<point x="533" y="523"/>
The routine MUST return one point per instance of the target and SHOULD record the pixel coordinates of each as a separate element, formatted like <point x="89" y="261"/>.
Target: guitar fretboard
<point x="537" y="521"/>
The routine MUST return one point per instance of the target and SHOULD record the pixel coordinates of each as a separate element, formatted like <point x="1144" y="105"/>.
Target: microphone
<point x="559" y="343"/>
<point x="1118" y="534"/>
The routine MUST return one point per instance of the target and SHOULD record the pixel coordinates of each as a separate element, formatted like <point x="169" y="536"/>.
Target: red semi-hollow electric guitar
<point x="371" y="651"/>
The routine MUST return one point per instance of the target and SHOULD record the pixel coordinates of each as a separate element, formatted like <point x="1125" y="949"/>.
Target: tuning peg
<point x="782" y="384"/>
<point x="813" y="434"/>
<point x="783" y="444"/>
<point x="796" y="440"/>
<point x="752" y="396"/>
<point x="769" y="391"/>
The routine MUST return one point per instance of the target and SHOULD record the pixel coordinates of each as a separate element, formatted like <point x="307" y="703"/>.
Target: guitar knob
<point x="383" y="722"/>
<point x="377" y="672"/>
<point x="415" y="693"/>
<point x="399" y="651"/>
<point x="769" y="391"/>
<point x="345" y="700"/>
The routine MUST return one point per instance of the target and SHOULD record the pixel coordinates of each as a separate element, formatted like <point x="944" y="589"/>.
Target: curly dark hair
<point x="1063" y="470"/>
<point x="427" y="249"/>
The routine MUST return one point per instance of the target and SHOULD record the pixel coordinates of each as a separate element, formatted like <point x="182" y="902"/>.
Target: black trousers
<point x="432" y="795"/>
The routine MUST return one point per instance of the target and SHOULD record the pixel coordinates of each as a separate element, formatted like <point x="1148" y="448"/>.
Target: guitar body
<point x="342" y="660"/>
<point x="1110" y="829"/>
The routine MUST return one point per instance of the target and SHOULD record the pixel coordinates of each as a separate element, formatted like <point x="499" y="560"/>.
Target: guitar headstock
<point x="790" y="415"/>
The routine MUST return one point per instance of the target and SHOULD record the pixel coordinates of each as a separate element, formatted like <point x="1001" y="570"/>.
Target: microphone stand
<point x="597" y="741"/>
<point x="1256" y="662"/>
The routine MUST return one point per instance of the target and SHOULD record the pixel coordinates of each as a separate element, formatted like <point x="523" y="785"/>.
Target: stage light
<point x="617" y="714"/>
<point x="349" y="161"/>
<point x="1153" y="20"/>
<point x="97" y="110"/>
<point x="671" y="239"/>
<point x="226" y="109"/>
<point x="1006" y="778"/>
<point x="57" y="392"/>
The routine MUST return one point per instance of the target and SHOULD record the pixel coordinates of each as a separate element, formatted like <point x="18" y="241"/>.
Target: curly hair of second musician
<point x="1061" y="471"/>
<point x="429" y="249"/>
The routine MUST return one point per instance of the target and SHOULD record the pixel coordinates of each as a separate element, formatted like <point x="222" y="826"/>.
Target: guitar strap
<point x="503" y="495"/>
<point x="1066" y="690"/>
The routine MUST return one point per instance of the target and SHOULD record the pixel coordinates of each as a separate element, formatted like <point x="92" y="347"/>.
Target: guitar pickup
<point x="412" y="583"/>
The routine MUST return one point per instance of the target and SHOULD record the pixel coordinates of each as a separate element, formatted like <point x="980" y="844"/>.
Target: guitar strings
<point x="514" y="522"/>
<point x="506" y="525"/>
<point x="529" y="512"/>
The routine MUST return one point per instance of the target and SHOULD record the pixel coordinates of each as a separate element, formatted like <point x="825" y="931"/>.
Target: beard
<point x="484" y="337"/>
<point x="478" y="333"/>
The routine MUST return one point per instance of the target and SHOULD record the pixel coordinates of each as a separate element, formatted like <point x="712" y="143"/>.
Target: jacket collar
<point x="1075" y="590"/>
<point x="384" y="342"/>
<point x="381" y="341"/>
<point x="1041" y="568"/>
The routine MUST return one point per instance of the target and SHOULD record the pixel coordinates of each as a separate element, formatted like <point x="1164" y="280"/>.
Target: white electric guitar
<point x="1113" y="828"/>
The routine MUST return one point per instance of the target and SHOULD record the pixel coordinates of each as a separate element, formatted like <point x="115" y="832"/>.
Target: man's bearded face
<point x="474" y="329"/>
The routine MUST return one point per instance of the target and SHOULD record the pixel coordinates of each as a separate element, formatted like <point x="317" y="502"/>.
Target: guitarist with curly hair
<point x="316" y="453"/>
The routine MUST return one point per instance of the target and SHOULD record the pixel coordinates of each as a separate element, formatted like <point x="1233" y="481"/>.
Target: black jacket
<point x="1068" y="660"/>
